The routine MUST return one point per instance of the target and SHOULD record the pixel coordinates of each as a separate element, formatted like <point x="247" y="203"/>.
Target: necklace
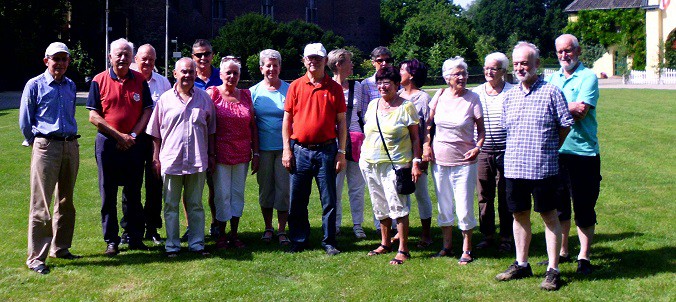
<point x="386" y="105"/>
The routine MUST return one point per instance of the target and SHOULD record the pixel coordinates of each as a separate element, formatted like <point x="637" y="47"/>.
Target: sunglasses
<point x="388" y="60"/>
<point x="231" y="58"/>
<point x="202" y="54"/>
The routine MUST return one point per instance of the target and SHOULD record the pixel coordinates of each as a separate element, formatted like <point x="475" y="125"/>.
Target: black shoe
<point x="153" y="236"/>
<point x="137" y="245"/>
<point x="443" y="253"/>
<point x="562" y="259"/>
<point x="331" y="250"/>
<point x="112" y="250"/>
<point x="67" y="256"/>
<point x="515" y="271"/>
<point x="552" y="280"/>
<point x="184" y="238"/>
<point x="584" y="267"/>
<point x="295" y="248"/>
<point x="124" y="239"/>
<point x="41" y="269"/>
<point x="213" y="231"/>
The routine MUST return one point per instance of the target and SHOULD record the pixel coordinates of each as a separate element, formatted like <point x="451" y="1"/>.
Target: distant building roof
<point x="579" y="5"/>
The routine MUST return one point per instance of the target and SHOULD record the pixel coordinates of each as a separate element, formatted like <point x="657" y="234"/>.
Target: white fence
<point x="666" y="76"/>
<point x="547" y="72"/>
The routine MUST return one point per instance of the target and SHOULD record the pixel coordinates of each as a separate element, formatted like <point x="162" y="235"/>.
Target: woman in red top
<point x="236" y="142"/>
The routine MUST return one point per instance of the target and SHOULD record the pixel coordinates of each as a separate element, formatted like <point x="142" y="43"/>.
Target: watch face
<point x="133" y="135"/>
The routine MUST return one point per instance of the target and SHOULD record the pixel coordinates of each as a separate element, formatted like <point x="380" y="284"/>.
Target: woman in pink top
<point x="454" y="113"/>
<point x="236" y="142"/>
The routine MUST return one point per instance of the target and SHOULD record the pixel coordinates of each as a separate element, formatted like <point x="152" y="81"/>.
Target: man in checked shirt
<point x="537" y="120"/>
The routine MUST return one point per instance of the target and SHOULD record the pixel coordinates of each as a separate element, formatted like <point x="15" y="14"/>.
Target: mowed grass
<point x="635" y="248"/>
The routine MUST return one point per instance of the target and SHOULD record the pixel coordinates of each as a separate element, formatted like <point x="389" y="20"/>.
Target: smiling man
<point x="47" y="121"/>
<point x="119" y="106"/>
<point x="314" y="106"/>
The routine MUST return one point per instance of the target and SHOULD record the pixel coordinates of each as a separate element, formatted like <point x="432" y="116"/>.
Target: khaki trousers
<point x="54" y="167"/>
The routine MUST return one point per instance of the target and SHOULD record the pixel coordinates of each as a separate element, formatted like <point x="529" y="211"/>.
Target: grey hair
<point x="194" y="65"/>
<point x="535" y="51"/>
<point x="572" y="38"/>
<point x="451" y="64"/>
<point x="338" y="56"/>
<point x="225" y="62"/>
<point x="380" y="51"/>
<point x="124" y="43"/>
<point x="499" y="57"/>
<point x="269" y="54"/>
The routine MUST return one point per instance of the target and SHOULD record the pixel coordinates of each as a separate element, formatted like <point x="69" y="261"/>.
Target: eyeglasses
<point x="202" y="54"/>
<point x="231" y="58"/>
<point x="384" y="83"/>
<point x="491" y="69"/>
<point x="58" y="59"/>
<point x="457" y="75"/>
<point x="388" y="60"/>
<point x="314" y="58"/>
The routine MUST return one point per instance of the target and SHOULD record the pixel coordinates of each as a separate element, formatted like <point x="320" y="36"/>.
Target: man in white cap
<point x="314" y="106"/>
<point x="47" y="121"/>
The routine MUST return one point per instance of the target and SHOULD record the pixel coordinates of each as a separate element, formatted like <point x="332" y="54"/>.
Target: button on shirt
<point x="184" y="128"/>
<point x="532" y="120"/>
<point x="47" y="107"/>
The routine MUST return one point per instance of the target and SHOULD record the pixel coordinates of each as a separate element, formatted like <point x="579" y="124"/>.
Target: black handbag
<point x="404" y="183"/>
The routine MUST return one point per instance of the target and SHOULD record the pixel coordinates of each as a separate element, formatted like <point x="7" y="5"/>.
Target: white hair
<point x="269" y="54"/>
<point x="453" y="63"/>
<point x="499" y="57"/>
<point x="122" y="42"/>
<point x="225" y="62"/>
<point x="572" y="38"/>
<point x="184" y="59"/>
<point x="534" y="50"/>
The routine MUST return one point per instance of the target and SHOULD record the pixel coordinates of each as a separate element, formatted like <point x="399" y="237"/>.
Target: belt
<point x="59" y="138"/>
<point x="316" y="146"/>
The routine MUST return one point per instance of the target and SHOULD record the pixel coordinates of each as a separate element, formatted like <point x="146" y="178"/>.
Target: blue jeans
<point x="319" y="164"/>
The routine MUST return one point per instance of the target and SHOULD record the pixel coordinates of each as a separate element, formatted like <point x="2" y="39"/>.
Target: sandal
<point x="283" y="239"/>
<point x="396" y="261"/>
<point x="385" y="250"/>
<point x="267" y="235"/>
<point x="465" y="260"/>
<point x="443" y="253"/>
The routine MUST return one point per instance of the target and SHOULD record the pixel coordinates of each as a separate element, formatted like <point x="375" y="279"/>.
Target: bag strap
<point x="381" y="135"/>
<point x="350" y="103"/>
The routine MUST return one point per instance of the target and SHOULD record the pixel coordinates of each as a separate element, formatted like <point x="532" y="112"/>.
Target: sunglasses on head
<point x="202" y="54"/>
<point x="231" y="58"/>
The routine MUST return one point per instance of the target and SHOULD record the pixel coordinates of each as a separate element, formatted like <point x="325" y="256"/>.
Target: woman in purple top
<point x="454" y="113"/>
<point x="236" y="142"/>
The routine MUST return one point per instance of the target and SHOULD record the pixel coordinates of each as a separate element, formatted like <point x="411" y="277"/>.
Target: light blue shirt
<point x="269" y="108"/>
<point x="47" y="107"/>
<point x="582" y="86"/>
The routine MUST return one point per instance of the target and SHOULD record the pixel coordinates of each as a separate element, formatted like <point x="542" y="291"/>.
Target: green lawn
<point x="635" y="246"/>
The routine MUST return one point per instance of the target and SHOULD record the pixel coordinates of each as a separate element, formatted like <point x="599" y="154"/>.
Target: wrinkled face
<point x="120" y="57"/>
<point x="568" y="54"/>
<point x="230" y="75"/>
<point x="493" y="71"/>
<point x="387" y="88"/>
<point x="525" y="64"/>
<point x="270" y="69"/>
<point x="314" y="63"/>
<point x="145" y="60"/>
<point x="405" y="76"/>
<point x="382" y="61"/>
<point x="57" y="64"/>
<point x="202" y="56"/>
<point x="457" y="78"/>
<point x="185" y="73"/>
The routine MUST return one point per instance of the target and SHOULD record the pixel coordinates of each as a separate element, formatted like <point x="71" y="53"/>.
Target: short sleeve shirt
<point x="184" y="128"/>
<point x="233" y="127"/>
<point x="532" y="120"/>
<point x="120" y="101"/>
<point x="269" y="108"/>
<point x="213" y="80"/>
<point x="313" y="109"/>
<point x="492" y="107"/>
<point x="158" y="84"/>
<point x="582" y="86"/>
<point x="394" y="125"/>
<point x="455" y="119"/>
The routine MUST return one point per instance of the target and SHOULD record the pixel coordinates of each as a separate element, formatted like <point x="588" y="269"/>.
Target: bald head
<point x="145" y="60"/>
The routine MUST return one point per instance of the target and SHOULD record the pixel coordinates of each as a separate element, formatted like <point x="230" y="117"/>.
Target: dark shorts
<point x="580" y="180"/>
<point x="519" y="192"/>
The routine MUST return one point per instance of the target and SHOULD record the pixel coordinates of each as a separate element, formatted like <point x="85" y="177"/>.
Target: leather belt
<point x="59" y="138"/>
<point x="316" y="146"/>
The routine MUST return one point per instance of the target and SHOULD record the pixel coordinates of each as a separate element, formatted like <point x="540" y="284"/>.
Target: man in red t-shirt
<point x="119" y="106"/>
<point x="314" y="117"/>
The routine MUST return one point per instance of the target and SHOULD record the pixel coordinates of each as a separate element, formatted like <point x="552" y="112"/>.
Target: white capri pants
<point x="229" y="182"/>
<point x="380" y="179"/>
<point x="355" y="190"/>
<point x="455" y="183"/>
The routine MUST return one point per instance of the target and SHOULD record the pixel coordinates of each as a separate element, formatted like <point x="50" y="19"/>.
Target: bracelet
<point x="341" y="151"/>
<point x="256" y="154"/>
<point x="417" y="160"/>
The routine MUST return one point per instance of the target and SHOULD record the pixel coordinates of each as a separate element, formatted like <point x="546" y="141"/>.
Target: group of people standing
<point x="378" y="134"/>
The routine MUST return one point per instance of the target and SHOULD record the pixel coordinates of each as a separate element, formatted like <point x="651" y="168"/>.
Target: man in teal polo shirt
<point x="579" y="159"/>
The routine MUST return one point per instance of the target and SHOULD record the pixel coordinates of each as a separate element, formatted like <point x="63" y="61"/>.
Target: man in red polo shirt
<point x="314" y="106"/>
<point x="119" y="106"/>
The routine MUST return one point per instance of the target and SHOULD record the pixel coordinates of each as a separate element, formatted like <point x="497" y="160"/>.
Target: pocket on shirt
<point x="198" y="117"/>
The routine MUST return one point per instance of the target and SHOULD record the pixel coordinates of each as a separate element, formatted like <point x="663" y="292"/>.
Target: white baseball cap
<point x="55" y="48"/>
<point x="314" y="49"/>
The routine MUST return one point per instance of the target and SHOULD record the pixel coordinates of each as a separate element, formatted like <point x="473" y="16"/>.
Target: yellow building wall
<point x="606" y="64"/>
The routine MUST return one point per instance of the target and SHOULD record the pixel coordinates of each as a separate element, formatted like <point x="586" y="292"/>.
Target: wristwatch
<point x="341" y="151"/>
<point x="417" y="160"/>
<point x="133" y="135"/>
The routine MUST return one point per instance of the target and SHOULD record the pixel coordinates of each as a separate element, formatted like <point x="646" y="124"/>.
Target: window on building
<point x="311" y="11"/>
<point x="218" y="9"/>
<point x="268" y="8"/>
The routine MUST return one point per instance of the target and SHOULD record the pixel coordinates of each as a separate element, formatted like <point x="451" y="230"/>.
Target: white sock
<point x="522" y="264"/>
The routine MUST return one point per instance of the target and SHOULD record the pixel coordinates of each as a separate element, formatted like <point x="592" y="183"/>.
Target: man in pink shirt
<point x="183" y="125"/>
